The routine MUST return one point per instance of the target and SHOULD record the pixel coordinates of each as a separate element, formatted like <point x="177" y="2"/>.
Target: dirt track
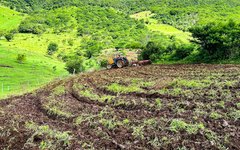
<point x="99" y="114"/>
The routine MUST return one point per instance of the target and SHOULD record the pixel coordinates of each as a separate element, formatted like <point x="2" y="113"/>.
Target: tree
<point x="52" y="48"/>
<point x="151" y="51"/>
<point x="75" y="64"/>
<point x="9" y="36"/>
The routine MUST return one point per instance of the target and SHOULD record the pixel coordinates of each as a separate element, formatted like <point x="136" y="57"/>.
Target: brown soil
<point x="193" y="108"/>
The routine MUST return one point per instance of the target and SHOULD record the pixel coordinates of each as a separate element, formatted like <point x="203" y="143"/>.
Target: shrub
<point x="21" y="58"/>
<point x="75" y="64"/>
<point x="52" y="47"/>
<point x="9" y="36"/>
<point x="151" y="50"/>
<point x="183" y="51"/>
<point x="34" y="28"/>
<point x="103" y="63"/>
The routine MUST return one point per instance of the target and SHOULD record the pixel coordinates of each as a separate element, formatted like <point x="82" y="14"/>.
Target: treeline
<point x="131" y="6"/>
<point x="181" y="14"/>
<point x="105" y="26"/>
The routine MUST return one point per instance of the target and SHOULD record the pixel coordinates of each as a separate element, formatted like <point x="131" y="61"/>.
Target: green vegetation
<point x="235" y="114"/>
<point x="150" y="107"/>
<point x="9" y="36"/>
<point x="189" y="83"/>
<point x="192" y="111"/>
<point x="21" y="58"/>
<point x="77" y="33"/>
<point x="154" y="25"/>
<point x="9" y="19"/>
<point x="179" y="125"/>
<point x="35" y="71"/>
<point x="115" y="87"/>
<point x="52" y="138"/>
<point x="138" y="132"/>
<point x="52" y="48"/>
<point x="60" y="90"/>
<point x="215" y="115"/>
<point x="218" y="41"/>
<point x="89" y="93"/>
<point x="158" y="103"/>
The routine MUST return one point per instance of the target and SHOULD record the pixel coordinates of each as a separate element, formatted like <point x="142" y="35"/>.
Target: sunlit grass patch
<point x="189" y="83"/>
<point x="59" y="90"/>
<point x="36" y="71"/>
<point x="115" y="87"/>
<point x="179" y="125"/>
<point x="9" y="19"/>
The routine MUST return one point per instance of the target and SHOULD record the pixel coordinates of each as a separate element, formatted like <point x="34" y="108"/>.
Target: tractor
<point x="120" y="62"/>
<point x="117" y="62"/>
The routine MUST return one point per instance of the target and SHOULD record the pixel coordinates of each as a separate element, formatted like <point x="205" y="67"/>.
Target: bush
<point x="21" y="58"/>
<point x="9" y="36"/>
<point x="152" y="51"/>
<point x="103" y="63"/>
<point x="75" y="64"/>
<point x="182" y="51"/>
<point x="52" y="48"/>
<point x="34" y="28"/>
<point x="218" y="40"/>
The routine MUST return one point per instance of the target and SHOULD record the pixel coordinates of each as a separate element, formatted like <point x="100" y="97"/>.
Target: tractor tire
<point x="120" y="64"/>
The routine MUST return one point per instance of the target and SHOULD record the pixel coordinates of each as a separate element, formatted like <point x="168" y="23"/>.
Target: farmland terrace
<point x="150" y="107"/>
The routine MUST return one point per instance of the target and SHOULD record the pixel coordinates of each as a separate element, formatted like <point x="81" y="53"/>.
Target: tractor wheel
<point x="119" y="63"/>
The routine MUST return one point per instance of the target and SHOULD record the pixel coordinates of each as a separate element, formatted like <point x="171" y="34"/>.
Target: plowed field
<point x="150" y="107"/>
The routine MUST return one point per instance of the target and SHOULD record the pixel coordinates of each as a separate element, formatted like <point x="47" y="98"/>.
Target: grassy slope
<point x="36" y="71"/>
<point x="39" y="43"/>
<point x="9" y="19"/>
<point x="153" y="25"/>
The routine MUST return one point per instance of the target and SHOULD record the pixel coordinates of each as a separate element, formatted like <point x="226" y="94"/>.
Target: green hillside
<point x="9" y="19"/>
<point x="155" y="26"/>
<point x="178" y="13"/>
<point x="17" y="77"/>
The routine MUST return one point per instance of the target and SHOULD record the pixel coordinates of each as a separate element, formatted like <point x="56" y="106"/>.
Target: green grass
<point x="39" y="43"/>
<point x="38" y="68"/>
<point x="19" y="78"/>
<point x="165" y="29"/>
<point x="9" y="19"/>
